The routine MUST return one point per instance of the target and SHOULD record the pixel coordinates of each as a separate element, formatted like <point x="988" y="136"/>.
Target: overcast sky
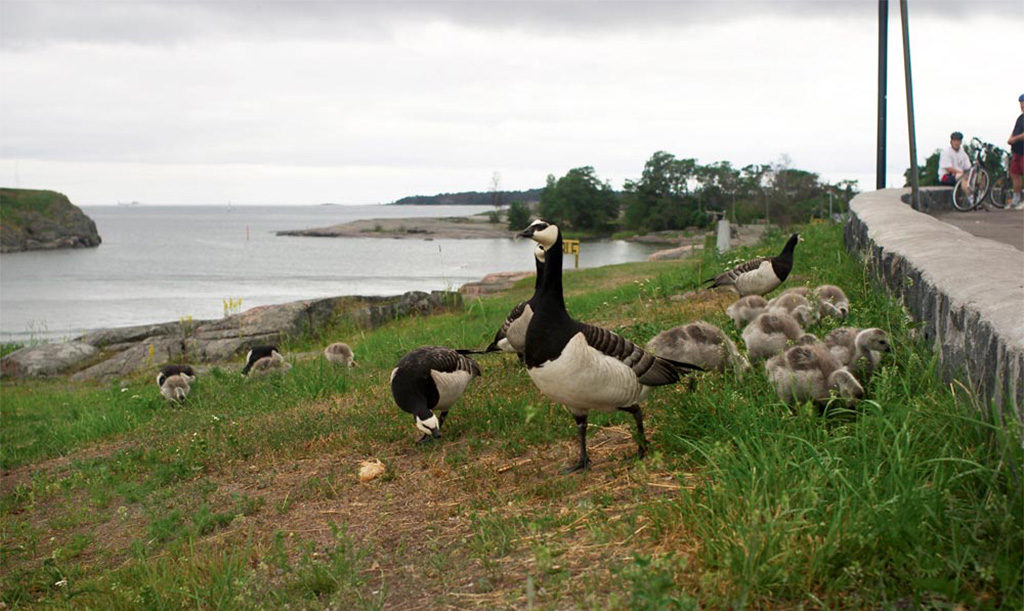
<point x="304" y="102"/>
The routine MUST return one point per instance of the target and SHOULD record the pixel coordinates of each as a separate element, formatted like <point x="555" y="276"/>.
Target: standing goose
<point x="811" y="373"/>
<point x="339" y="353"/>
<point x="584" y="367"/>
<point x="746" y="309"/>
<point x="700" y="343"/>
<point x="264" y="360"/>
<point x="427" y="381"/>
<point x="770" y="333"/>
<point x="759" y="276"/>
<point x="511" y="337"/>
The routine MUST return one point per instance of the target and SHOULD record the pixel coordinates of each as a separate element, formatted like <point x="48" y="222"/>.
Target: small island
<point x="33" y="219"/>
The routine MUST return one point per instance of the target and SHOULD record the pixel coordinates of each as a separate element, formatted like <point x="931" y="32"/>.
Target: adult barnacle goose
<point x="811" y="373"/>
<point x="511" y="337"/>
<point x="427" y="381"/>
<point x="584" y="367"/>
<point x="700" y="343"/>
<point x="172" y="370"/>
<point x="263" y="360"/>
<point x="339" y="353"/>
<point x="759" y="276"/>
<point x="174" y="381"/>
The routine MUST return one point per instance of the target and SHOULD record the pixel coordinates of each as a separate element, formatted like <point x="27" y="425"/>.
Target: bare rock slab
<point x="47" y="359"/>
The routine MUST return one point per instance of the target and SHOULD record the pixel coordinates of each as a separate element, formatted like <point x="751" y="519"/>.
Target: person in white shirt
<point x="953" y="161"/>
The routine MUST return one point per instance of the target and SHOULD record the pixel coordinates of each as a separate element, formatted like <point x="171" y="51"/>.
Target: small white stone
<point x="370" y="470"/>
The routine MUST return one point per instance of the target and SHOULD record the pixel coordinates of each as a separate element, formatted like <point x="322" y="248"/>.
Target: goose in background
<point x="172" y="370"/>
<point x="797" y="306"/>
<point x="758" y="276"/>
<point x="175" y="388"/>
<point x="339" y="353"/>
<point x="700" y="343"/>
<point x="811" y="373"/>
<point x="860" y="350"/>
<point x="511" y="337"/>
<point x="264" y="360"/>
<point x="427" y="381"/>
<point x="770" y="333"/>
<point x="584" y="367"/>
<point x="745" y="309"/>
<point x="832" y="301"/>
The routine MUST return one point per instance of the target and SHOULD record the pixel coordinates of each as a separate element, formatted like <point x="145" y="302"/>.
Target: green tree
<point x="579" y="200"/>
<point x="927" y="174"/>
<point x="518" y="216"/>
<point x="661" y="199"/>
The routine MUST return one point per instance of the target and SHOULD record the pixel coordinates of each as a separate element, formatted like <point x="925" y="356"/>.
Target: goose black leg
<point x="581" y="429"/>
<point x="440" y="418"/>
<point x="641" y="439"/>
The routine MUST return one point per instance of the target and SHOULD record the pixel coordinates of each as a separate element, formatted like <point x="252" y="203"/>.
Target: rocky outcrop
<point x="43" y="220"/>
<point x="966" y="290"/>
<point x="493" y="283"/>
<point x="123" y="351"/>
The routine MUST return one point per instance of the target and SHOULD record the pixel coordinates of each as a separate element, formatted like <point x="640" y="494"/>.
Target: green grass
<point x="247" y="496"/>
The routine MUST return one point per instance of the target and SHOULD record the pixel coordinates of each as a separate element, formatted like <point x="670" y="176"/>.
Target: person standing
<point x="1016" y="143"/>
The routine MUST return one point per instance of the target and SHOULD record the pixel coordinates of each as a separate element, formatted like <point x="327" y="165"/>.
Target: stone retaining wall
<point x="968" y="291"/>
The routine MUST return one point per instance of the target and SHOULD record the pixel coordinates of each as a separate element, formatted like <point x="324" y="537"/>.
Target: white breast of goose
<point x="516" y="333"/>
<point x="585" y="379"/>
<point x="450" y="386"/>
<point x="759" y="281"/>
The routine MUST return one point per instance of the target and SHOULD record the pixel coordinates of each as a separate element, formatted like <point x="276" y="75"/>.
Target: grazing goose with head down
<point x="265" y="360"/>
<point x="175" y="382"/>
<point x="832" y="301"/>
<point x="340" y="353"/>
<point x="700" y="343"/>
<point x="511" y="337"/>
<point x="758" y="276"/>
<point x="584" y="367"/>
<point x="427" y="381"/>
<point x="797" y="306"/>
<point x="811" y="373"/>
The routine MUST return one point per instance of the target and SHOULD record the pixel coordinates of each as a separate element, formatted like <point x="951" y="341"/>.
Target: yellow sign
<point x="572" y="247"/>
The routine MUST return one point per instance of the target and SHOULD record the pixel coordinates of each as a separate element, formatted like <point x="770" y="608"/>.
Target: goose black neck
<point x="539" y="280"/>
<point x="551" y="284"/>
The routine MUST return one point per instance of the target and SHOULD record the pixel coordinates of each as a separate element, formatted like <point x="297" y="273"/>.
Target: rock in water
<point x="43" y="220"/>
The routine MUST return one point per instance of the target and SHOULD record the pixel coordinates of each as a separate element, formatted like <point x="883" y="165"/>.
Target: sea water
<point x="164" y="263"/>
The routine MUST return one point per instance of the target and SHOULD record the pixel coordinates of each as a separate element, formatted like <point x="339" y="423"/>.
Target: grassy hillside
<point x="31" y="219"/>
<point x="248" y="495"/>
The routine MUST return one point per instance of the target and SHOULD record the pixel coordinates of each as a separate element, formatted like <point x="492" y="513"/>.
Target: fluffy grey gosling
<point x="340" y="354"/>
<point x="796" y="306"/>
<point x="860" y="350"/>
<point x="268" y="365"/>
<point x="811" y="373"/>
<point x="176" y="387"/>
<point x="700" y="343"/>
<point x="770" y="333"/>
<point x="746" y="309"/>
<point x="832" y="301"/>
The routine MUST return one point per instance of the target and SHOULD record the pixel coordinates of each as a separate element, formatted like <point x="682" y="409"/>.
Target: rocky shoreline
<point x="110" y="353"/>
<point x="451" y="228"/>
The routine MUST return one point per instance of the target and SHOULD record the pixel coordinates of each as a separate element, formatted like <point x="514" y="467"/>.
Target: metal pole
<point x="915" y="193"/>
<point x="883" y="49"/>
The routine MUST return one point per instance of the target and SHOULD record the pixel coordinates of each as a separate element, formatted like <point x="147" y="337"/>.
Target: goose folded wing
<point x="730" y="276"/>
<point x="650" y="370"/>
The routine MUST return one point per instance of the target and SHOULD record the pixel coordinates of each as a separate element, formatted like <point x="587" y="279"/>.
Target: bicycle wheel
<point x="962" y="201"/>
<point x="981" y="186"/>
<point x="999" y="195"/>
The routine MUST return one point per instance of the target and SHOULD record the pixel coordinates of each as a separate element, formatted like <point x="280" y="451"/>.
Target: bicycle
<point x="971" y="188"/>
<point x="1002" y="189"/>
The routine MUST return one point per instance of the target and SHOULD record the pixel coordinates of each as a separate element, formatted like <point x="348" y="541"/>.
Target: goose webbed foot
<point x="582" y="465"/>
<point x="425" y="439"/>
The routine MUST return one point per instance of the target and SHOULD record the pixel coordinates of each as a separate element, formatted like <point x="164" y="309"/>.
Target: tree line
<point x="675" y="193"/>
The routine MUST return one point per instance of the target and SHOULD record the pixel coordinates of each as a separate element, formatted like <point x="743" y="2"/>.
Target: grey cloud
<point x="29" y="23"/>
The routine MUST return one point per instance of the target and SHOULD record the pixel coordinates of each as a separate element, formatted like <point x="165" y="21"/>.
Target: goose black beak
<point x="526" y="233"/>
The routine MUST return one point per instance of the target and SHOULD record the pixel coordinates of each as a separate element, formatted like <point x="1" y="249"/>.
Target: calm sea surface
<point x="160" y="263"/>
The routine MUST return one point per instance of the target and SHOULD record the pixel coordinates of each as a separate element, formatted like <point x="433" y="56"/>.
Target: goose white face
<point x="430" y="426"/>
<point x="542" y="232"/>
